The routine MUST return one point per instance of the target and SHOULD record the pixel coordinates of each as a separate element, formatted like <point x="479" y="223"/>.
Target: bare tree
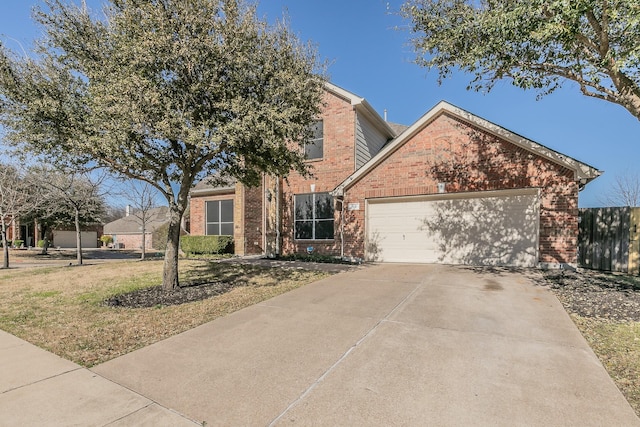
<point x="71" y="195"/>
<point x="17" y="198"/>
<point x="142" y="197"/>
<point x="625" y="191"/>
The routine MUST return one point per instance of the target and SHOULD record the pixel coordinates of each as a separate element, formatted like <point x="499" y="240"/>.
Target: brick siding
<point x="337" y="164"/>
<point x="469" y="159"/>
<point x="134" y="241"/>
<point x="466" y="158"/>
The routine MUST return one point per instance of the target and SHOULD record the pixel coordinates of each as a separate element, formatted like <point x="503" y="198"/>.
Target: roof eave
<point x="211" y="191"/>
<point x="583" y="173"/>
<point x="362" y="106"/>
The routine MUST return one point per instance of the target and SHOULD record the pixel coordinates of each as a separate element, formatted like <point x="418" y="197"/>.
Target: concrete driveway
<point x="385" y="345"/>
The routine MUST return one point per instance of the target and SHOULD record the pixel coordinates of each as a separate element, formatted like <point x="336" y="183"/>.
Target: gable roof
<point x="362" y="107"/>
<point x="132" y="224"/>
<point x="397" y="127"/>
<point x="582" y="171"/>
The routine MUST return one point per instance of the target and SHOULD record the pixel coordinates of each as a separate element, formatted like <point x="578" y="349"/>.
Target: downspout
<point x="342" y="229"/>
<point x="341" y="200"/>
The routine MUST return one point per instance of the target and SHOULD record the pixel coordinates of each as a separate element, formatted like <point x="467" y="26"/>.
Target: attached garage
<point x="67" y="239"/>
<point x="479" y="228"/>
<point x="454" y="188"/>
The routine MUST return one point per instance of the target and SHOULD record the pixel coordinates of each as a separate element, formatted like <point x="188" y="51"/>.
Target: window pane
<point x="314" y="147"/>
<point x="213" y="209"/>
<point x="304" y="206"/>
<point x="304" y="229"/>
<point x="324" y="229"/>
<point x="226" y="208"/>
<point x="226" y="229"/>
<point x="318" y="129"/>
<point x="324" y="206"/>
<point x="213" y="230"/>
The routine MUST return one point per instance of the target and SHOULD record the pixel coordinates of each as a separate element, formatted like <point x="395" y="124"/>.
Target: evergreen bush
<point x="193" y="245"/>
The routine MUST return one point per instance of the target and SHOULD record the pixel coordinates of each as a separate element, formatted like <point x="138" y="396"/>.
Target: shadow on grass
<point x="203" y="281"/>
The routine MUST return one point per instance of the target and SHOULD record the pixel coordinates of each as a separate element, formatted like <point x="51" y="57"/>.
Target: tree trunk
<point x="38" y="226"/>
<point x="5" y="247"/>
<point x="144" y="239"/>
<point x="78" y="238"/>
<point x="170" y="268"/>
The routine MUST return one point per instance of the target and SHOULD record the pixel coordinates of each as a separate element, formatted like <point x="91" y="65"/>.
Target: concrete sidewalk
<point x="38" y="388"/>
<point x="385" y="345"/>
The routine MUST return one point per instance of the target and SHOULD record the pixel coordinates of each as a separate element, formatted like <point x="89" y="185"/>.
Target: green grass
<point x="45" y="294"/>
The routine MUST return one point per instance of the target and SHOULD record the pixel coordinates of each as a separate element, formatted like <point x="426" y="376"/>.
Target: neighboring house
<point x="66" y="237"/>
<point x="62" y="236"/>
<point x="451" y="188"/>
<point x="127" y="231"/>
<point x="17" y="230"/>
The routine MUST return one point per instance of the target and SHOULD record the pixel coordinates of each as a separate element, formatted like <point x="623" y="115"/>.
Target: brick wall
<point x="448" y="150"/>
<point x="197" y="210"/>
<point x="134" y="241"/>
<point x="337" y="164"/>
<point x="253" y="220"/>
<point x="198" y="216"/>
<point x="468" y="159"/>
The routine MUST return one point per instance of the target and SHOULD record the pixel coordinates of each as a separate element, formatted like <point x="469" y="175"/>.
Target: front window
<point x="219" y="220"/>
<point x="314" y="216"/>
<point x="313" y="149"/>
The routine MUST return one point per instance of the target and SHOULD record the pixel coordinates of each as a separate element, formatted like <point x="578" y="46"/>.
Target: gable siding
<point x="369" y="141"/>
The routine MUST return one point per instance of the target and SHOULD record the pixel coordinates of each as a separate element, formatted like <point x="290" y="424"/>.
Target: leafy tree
<point x="165" y="91"/>
<point x="536" y="44"/>
<point x="17" y="199"/>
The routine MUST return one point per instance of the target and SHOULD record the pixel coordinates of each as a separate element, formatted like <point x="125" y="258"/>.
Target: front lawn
<point x="65" y="309"/>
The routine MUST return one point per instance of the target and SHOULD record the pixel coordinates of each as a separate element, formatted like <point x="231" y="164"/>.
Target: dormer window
<point x="313" y="149"/>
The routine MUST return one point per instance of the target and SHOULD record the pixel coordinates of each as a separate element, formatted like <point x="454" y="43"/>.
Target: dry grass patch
<point x="617" y="345"/>
<point x="61" y="309"/>
<point x="606" y="309"/>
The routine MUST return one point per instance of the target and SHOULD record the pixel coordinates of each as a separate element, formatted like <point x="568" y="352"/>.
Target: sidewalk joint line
<point x="43" y="379"/>
<point x="343" y="357"/>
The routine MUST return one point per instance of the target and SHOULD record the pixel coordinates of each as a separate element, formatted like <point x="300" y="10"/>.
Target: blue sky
<point x="369" y="57"/>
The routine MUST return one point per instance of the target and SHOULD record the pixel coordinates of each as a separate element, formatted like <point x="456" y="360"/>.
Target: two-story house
<point x="451" y="188"/>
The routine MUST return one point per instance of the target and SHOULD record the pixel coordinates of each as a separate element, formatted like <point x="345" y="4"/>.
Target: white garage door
<point x="67" y="239"/>
<point x="482" y="228"/>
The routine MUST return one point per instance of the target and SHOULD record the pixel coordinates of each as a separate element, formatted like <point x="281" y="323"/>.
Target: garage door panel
<point x="67" y="239"/>
<point x="493" y="230"/>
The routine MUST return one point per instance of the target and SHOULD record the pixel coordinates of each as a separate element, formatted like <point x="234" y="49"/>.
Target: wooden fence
<point x="608" y="239"/>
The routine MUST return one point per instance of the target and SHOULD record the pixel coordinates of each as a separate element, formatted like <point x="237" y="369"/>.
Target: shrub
<point x="159" y="237"/>
<point x="106" y="239"/>
<point x="42" y="243"/>
<point x="18" y="243"/>
<point x="326" y="259"/>
<point x="192" y="245"/>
